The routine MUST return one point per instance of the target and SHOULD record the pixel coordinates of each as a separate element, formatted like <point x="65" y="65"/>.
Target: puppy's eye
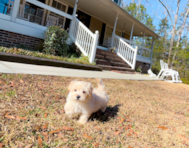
<point x="84" y="92"/>
<point x="75" y="90"/>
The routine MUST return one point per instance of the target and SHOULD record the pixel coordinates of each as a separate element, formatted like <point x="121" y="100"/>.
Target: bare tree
<point x="180" y="34"/>
<point x="174" y="26"/>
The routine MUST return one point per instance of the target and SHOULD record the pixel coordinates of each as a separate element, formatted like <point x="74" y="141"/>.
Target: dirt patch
<point x="140" y="114"/>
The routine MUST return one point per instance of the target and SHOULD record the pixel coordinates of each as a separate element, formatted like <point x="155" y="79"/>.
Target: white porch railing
<point x="84" y="39"/>
<point x="125" y="51"/>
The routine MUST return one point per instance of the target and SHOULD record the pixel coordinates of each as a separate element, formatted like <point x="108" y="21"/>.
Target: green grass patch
<point x="19" y="51"/>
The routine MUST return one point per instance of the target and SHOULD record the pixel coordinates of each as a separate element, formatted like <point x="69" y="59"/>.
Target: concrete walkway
<point x="18" y="68"/>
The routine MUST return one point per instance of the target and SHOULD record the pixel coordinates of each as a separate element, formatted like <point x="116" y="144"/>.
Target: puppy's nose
<point x="78" y="97"/>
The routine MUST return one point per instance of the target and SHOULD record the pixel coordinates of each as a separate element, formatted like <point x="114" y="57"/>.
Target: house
<point x="94" y="26"/>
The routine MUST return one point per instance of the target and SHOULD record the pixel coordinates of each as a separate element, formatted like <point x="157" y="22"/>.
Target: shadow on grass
<point x="110" y="112"/>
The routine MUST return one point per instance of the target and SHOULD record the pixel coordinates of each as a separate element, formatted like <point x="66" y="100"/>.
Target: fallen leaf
<point x="128" y="120"/>
<point x="68" y="129"/>
<point x="21" y="81"/>
<point x="97" y="128"/>
<point x="52" y="132"/>
<point x="37" y="127"/>
<point x="8" y="116"/>
<point x="40" y="142"/>
<point x="162" y="127"/>
<point x="122" y="120"/>
<point x="86" y="136"/>
<point x="45" y="115"/>
<point x="37" y="115"/>
<point x="44" y="126"/>
<point x="118" y="117"/>
<point x="45" y="136"/>
<point x="136" y="134"/>
<point x="21" y="118"/>
<point x="42" y="107"/>
<point x="97" y="145"/>
<point x="174" y="129"/>
<point x="11" y="84"/>
<point x="0" y="82"/>
<point x="131" y="131"/>
<point x="129" y="147"/>
<point x="183" y="137"/>
<point x="129" y="134"/>
<point x="47" y="94"/>
<point x="129" y="126"/>
<point x="117" y="133"/>
<point x="1" y="145"/>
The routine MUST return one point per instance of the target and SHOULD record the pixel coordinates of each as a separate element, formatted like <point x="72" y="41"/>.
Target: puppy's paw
<point x="83" y="119"/>
<point x="81" y="122"/>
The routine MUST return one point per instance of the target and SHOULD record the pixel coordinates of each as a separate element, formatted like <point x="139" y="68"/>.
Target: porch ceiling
<point x="105" y="10"/>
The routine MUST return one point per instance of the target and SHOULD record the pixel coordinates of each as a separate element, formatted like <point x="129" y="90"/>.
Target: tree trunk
<point x="173" y="33"/>
<point x="179" y="37"/>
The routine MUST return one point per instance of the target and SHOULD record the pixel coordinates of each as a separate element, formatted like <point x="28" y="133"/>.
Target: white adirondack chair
<point x="52" y="21"/>
<point x="165" y="72"/>
<point x="151" y="74"/>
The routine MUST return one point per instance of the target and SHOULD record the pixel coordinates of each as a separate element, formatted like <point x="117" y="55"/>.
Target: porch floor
<point x="18" y="68"/>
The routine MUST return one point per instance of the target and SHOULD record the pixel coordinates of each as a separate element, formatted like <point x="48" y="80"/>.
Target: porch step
<point x="111" y="58"/>
<point x="105" y="62"/>
<point x="110" y="61"/>
<point x="114" y="68"/>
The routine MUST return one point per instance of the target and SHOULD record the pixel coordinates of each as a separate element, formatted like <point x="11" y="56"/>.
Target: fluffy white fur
<point x="85" y="100"/>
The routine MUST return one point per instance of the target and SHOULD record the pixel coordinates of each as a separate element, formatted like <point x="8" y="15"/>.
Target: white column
<point x="94" y="47"/>
<point x="151" y="53"/>
<point x="73" y="14"/>
<point x="134" y="58"/>
<point x="142" y="44"/>
<point x="131" y="35"/>
<point x="15" y="10"/>
<point x="113" y="33"/>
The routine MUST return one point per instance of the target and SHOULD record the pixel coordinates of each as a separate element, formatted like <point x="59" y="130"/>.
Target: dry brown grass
<point x="140" y="114"/>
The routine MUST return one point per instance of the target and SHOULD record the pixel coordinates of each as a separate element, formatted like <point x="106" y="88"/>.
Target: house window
<point x="61" y="7"/>
<point x="33" y="13"/>
<point x="6" y="6"/>
<point x="116" y="1"/>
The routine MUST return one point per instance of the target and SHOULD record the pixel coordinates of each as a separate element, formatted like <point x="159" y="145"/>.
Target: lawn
<point x="140" y="114"/>
<point x="81" y="60"/>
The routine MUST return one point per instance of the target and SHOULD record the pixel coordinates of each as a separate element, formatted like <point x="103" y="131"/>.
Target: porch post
<point x="113" y="33"/>
<point x="73" y="14"/>
<point x="151" y="53"/>
<point x="131" y="35"/>
<point x="15" y="10"/>
<point x="142" y="44"/>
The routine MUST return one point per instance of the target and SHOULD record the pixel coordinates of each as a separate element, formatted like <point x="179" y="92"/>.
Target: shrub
<point x="56" y="41"/>
<point x="139" y="69"/>
<point x="185" y="80"/>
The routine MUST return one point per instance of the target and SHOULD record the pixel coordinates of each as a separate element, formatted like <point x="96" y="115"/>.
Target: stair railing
<point x="125" y="51"/>
<point x="84" y="39"/>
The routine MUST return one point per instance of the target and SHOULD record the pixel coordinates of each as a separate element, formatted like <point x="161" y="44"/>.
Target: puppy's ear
<point x="71" y="84"/>
<point x="90" y="89"/>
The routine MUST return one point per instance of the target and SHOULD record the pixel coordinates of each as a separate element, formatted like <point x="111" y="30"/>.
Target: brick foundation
<point x="10" y="39"/>
<point x="145" y="66"/>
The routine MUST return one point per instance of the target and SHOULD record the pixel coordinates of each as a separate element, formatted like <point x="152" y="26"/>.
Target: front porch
<point x="32" y="17"/>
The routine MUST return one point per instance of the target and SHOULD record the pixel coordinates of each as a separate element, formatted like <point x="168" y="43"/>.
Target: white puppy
<point x="85" y="100"/>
